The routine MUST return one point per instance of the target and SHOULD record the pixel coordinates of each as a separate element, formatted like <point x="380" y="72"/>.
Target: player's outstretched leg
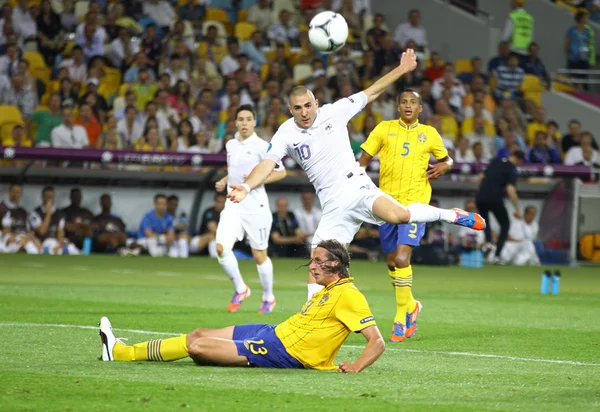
<point x="229" y="263"/>
<point x="264" y="266"/>
<point x="160" y="350"/>
<point x="388" y="209"/>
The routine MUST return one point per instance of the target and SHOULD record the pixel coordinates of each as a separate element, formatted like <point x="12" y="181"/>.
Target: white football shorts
<point x="233" y="226"/>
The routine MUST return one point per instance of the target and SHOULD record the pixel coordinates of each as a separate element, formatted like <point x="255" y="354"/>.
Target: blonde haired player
<point x="405" y="147"/>
<point x="317" y="139"/>
<point x="252" y="217"/>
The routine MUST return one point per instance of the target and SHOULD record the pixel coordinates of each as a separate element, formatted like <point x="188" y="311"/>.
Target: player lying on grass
<point x="317" y="139"/>
<point x="309" y="339"/>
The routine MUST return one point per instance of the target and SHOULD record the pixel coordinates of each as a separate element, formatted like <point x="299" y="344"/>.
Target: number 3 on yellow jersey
<point x="254" y="346"/>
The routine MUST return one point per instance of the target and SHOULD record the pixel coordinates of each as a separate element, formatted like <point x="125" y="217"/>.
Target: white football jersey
<point x="323" y="150"/>
<point x="242" y="157"/>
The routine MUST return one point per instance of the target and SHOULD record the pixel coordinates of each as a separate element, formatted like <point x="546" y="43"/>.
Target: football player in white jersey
<point x="317" y="139"/>
<point x="250" y="217"/>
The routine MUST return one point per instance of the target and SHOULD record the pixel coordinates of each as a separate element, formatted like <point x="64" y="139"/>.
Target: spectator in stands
<point x="261" y="15"/>
<point x="479" y="91"/>
<point x="94" y="99"/>
<point x="230" y="64"/>
<point x="538" y="124"/>
<point x="180" y="225"/>
<point x="253" y="49"/>
<point x="91" y="45"/>
<point x="553" y="137"/>
<point x="144" y="89"/>
<point x="19" y="138"/>
<point x="448" y="123"/>
<point x="186" y="138"/>
<point x="156" y="233"/>
<point x="412" y="30"/>
<point x="16" y="234"/>
<point x="151" y="46"/>
<point x="579" y="45"/>
<point x="201" y="119"/>
<point x="68" y="19"/>
<point x="165" y="109"/>
<point x="76" y="65"/>
<point x="20" y="96"/>
<point x="23" y="20"/>
<point x="161" y="12"/>
<point x="50" y="33"/>
<point x="478" y="110"/>
<point x="179" y="99"/>
<point x="479" y="153"/>
<point x="501" y="59"/>
<point x="79" y="228"/>
<point x="232" y="87"/>
<point x="69" y="135"/>
<point x="463" y="153"/>
<point x="150" y="142"/>
<point x="519" y="27"/>
<point x="177" y="41"/>
<point x="308" y="216"/>
<point x="45" y="121"/>
<point x="520" y="248"/>
<point x="49" y="225"/>
<point x="467" y="77"/>
<point x="286" y="237"/>
<point x="66" y="92"/>
<point x="176" y="69"/>
<point x="480" y="134"/>
<point x="449" y="82"/>
<point x="110" y="138"/>
<point x="533" y="65"/>
<point x="470" y="239"/>
<point x="88" y="121"/>
<point x="377" y="32"/>
<point x="194" y="12"/>
<point x="211" y="47"/>
<point x="110" y="233"/>
<point x="123" y="49"/>
<point x="91" y="20"/>
<point x="508" y="79"/>
<point x="130" y="128"/>
<point x="284" y="30"/>
<point x="388" y="55"/>
<point x="540" y="152"/>
<point x="575" y="155"/>
<point x="208" y="227"/>
<point x="573" y="138"/>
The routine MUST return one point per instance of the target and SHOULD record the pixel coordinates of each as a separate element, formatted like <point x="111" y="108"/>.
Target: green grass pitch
<point x="487" y="339"/>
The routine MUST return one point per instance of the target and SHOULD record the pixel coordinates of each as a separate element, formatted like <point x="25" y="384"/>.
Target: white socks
<point x="212" y="249"/>
<point x="422" y="213"/>
<point x="229" y="264"/>
<point x="154" y="247"/>
<point x="184" y="248"/>
<point x="31" y="248"/>
<point x="312" y="289"/>
<point x="265" y="273"/>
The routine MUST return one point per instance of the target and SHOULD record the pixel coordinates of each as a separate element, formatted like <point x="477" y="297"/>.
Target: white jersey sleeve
<point x="6" y="220"/>
<point x="35" y="220"/>
<point x="348" y="107"/>
<point x="279" y="147"/>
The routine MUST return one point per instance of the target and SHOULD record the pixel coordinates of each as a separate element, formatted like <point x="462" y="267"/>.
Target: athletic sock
<point x="313" y="288"/>
<point x="265" y="273"/>
<point x="184" y="248"/>
<point x="230" y="265"/>
<point x="162" y="350"/>
<point x="31" y="248"/>
<point x="422" y="213"/>
<point x="174" y="250"/>
<point x="402" y="282"/>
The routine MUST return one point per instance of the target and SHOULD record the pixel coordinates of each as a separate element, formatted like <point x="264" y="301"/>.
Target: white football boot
<point x="108" y="339"/>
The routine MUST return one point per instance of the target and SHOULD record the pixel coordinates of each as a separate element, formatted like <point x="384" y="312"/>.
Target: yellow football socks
<point x="405" y="302"/>
<point x="162" y="350"/>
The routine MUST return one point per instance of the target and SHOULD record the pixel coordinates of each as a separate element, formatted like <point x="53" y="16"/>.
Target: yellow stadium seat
<point x="123" y="89"/>
<point x="10" y="114"/>
<point x="221" y="30"/>
<point x="270" y="55"/>
<point x="532" y="89"/>
<point x="463" y="66"/>
<point x="217" y="15"/>
<point x="264" y="72"/>
<point x="243" y="16"/>
<point x="35" y="59"/>
<point x="243" y="31"/>
<point x="81" y="9"/>
<point x="301" y="72"/>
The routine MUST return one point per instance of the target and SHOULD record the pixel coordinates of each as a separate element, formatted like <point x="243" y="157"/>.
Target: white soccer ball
<point x="328" y="31"/>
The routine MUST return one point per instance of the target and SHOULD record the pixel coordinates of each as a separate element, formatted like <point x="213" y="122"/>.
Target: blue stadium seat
<point x="471" y="259"/>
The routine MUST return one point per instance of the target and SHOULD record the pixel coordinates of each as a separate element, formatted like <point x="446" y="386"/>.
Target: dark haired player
<point x="405" y="147"/>
<point x="309" y="339"/>
<point x="252" y="217"/>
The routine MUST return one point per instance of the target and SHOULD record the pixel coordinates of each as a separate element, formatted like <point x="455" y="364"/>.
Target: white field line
<point x="435" y="352"/>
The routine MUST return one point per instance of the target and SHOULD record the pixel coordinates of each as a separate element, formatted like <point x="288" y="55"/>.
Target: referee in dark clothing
<point x="499" y="179"/>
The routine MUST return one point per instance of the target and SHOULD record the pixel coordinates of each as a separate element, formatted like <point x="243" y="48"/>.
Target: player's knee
<point x="197" y="349"/>
<point x="402" y="260"/>
<point x="220" y="249"/>
<point x="399" y="215"/>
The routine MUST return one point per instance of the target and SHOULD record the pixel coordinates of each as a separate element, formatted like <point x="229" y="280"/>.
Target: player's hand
<point x="237" y="194"/>
<point x="437" y="170"/>
<point x="408" y="61"/>
<point x="347" y="367"/>
<point x="220" y="185"/>
<point x="517" y="214"/>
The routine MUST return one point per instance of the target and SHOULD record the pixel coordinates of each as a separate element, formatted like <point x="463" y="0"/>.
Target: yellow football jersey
<point x="315" y="334"/>
<point x="404" y="155"/>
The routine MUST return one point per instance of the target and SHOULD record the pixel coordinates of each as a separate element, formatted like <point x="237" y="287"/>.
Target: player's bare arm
<point x="439" y="169"/>
<point x="374" y="349"/>
<point x="256" y="178"/>
<point x="511" y="193"/>
<point x="365" y="159"/>
<point x="275" y="176"/>
<point x="221" y="185"/>
<point x="408" y="63"/>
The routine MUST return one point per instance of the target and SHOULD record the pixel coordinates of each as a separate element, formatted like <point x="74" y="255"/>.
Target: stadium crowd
<point x="167" y="76"/>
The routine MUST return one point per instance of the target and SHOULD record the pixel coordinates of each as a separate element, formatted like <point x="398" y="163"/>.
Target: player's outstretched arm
<point x="221" y="185"/>
<point x="408" y="62"/>
<point x="256" y="178"/>
<point x="439" y="169"/>
<point x="275" y="176"/>
<point x="375" y="347"/>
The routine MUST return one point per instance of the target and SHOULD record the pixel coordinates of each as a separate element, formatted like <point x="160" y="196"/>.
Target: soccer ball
<point x="328" y="31"/>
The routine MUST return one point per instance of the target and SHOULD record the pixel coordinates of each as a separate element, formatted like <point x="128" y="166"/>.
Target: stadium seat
<point x="118" y="103"/>
<point x="301" y="72"/>
<point x="37" y="66"/>
<point x="10" y="117"/>
<point x="463" y="66"/>
<point x="221" y="31"/>
<point x="217" y="15"/>
<point x="279" y="5"/>
<point x="243" y="16"/>
<point x="243" y="31"/>
<point x="81" y="9"/>
<point x="532" y="89"/>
